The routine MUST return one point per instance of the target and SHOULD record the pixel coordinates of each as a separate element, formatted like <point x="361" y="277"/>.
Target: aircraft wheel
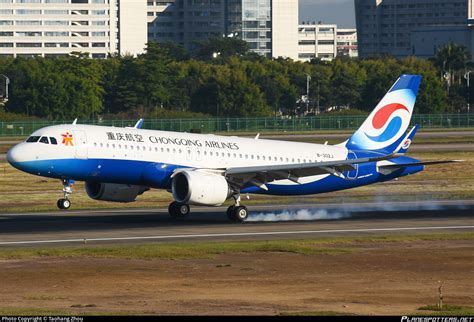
<point x="240" y="214"/>
<point x="63" y="204"/>
<point x="230" y="213"/>
<point x="178" y="210"/>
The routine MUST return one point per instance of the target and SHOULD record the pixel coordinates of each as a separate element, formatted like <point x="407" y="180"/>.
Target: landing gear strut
<point x="65" y="203"/>
<point x="178" y="210"/>
<point x="237" y="213"/>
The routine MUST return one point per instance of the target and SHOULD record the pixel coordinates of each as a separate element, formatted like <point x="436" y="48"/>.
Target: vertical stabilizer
<point x="386" y="126"/>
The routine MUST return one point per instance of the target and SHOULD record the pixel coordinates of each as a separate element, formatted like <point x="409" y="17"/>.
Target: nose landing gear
<point x="65" y="203"/>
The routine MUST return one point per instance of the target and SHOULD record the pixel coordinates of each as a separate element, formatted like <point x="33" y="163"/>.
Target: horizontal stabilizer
<point x="403" y="165"/>
<point x="392" y="167"/>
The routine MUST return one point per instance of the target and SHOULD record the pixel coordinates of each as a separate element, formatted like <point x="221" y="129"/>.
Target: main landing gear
<point x="178" y="210"/>
<point x="65" y="203"/>
<point x="237" y="213"/>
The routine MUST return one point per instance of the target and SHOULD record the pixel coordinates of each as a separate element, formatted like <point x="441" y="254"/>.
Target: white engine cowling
<point x="114" y="192"/>
<point x="200" y="188"/>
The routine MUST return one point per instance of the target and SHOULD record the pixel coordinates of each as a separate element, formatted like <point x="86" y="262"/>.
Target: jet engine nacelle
<point x="114" y="192"/>
<point x="200" y="188"/>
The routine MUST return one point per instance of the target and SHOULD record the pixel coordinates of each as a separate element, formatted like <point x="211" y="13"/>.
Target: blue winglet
<point x="139" y="124"/>
<point x="405" y="144"/>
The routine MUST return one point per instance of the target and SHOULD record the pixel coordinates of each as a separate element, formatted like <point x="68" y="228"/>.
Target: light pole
<point x="467" y="76"/>
<point x="7" y="82"/>
<point x="308" y="79"/>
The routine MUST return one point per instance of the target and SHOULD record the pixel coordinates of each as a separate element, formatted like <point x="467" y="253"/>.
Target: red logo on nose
<point x="67" y="139"/>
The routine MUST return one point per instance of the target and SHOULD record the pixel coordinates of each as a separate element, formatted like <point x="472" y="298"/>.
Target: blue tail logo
<point x="386" y="126"/>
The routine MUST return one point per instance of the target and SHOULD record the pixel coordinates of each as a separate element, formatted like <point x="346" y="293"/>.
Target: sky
<point x="340" y="12"/>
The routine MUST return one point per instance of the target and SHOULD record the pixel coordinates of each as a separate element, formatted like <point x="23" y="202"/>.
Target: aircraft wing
<point x="260" y="175"/>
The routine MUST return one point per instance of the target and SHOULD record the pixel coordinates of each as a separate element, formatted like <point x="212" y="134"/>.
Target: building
<point x="325" y="42"/>
<point x="347" y="43"/>
<point x="395" y="27"/>
<point x="98" y="28"/>
<point x="269" y="26"/>
<point x="95" y="28"/>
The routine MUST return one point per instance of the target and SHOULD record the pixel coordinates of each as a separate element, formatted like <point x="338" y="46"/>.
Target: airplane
<point x="119" y="164"/>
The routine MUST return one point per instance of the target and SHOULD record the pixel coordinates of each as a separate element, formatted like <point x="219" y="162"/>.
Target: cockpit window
<point x="53" y="140"/>
<point x="44" y="139"/>
<point x="32" y="139"/>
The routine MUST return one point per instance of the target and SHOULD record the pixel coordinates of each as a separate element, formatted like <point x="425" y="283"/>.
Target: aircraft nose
<point x="16" y="154"/>
<point x="12" y="155"/>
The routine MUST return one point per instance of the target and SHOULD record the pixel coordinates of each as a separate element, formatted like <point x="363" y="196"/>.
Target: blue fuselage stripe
<point x="158" y="175"/>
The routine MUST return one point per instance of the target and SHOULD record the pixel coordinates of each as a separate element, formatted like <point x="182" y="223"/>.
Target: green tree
<point x="220" y="48"/>
<point x="347" y="82"/>
<point x="432" y="97"/>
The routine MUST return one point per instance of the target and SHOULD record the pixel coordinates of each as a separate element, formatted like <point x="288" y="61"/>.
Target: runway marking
<point x="82" y="240"/>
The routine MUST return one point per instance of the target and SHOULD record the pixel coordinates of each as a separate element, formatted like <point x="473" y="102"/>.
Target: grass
<point x="447" y="310"/>
<point x="187" y="250"/>
<point x="74" y="311"/>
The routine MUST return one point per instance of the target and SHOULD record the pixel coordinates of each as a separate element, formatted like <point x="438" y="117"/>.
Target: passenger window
<point x="95" y="144"/>
<point x="53" y="140"/>
<point x="263" y="158"/>
<point x="102" y="145"/>
<point x="33" y="139"/>
<point x="44" y="140"/>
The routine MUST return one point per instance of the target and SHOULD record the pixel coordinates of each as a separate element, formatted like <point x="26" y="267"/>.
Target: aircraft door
<point x="80" y="141"/>
<point x="352" y="174"/>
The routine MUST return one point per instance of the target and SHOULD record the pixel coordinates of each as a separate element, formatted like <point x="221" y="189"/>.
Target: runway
<point x="211" y="224"/>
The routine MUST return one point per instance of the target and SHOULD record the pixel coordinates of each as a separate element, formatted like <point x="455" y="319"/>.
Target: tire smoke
<point x="300" y="215"/>
<point x="352" y="210"/>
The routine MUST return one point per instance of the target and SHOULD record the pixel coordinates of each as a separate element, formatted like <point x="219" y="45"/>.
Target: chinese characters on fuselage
<point x="172" y="141"/>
